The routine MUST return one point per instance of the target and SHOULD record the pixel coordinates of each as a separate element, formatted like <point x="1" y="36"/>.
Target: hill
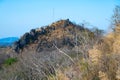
<point x="59" y="50"/>
<point x="61" y="33"/>
<point x="5" y="42"/>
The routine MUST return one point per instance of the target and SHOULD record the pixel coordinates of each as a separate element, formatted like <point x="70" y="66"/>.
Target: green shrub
<point x="10" y="61"/>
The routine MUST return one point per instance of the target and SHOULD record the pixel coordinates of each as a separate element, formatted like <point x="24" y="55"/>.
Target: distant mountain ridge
<point x="8" y="41"/>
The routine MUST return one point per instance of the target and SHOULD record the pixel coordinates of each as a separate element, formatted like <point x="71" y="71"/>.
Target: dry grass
<point x="103" y="62"/>
<point x="91" y="60"/>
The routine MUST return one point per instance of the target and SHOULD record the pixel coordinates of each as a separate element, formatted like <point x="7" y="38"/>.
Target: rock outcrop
<point x="61" y="33"/>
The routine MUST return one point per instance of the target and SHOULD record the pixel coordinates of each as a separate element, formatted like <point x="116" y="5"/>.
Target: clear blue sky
<point x="19" y="16"/>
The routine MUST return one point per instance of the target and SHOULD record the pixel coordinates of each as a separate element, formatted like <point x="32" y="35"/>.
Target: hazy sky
<point x="19" y="16"/>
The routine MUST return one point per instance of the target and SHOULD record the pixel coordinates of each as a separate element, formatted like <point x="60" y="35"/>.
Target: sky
<point x="20" y="16"/>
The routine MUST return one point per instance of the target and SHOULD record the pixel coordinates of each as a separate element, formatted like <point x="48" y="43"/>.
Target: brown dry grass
<point x="93" y="60"/>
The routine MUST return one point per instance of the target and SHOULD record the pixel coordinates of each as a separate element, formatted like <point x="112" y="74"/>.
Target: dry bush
<point x="109" y="65"/>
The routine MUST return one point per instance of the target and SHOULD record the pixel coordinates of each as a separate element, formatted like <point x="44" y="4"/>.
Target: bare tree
<point x="115" y="18"/>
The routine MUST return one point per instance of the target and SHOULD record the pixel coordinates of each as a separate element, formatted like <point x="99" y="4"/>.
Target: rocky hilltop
<point x="61" y="33"/>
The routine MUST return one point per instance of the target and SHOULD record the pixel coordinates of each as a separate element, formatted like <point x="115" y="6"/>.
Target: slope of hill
<point x="59" y="50"/>
<point x="107" y="55"/>
<point x="61" y="33"/>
